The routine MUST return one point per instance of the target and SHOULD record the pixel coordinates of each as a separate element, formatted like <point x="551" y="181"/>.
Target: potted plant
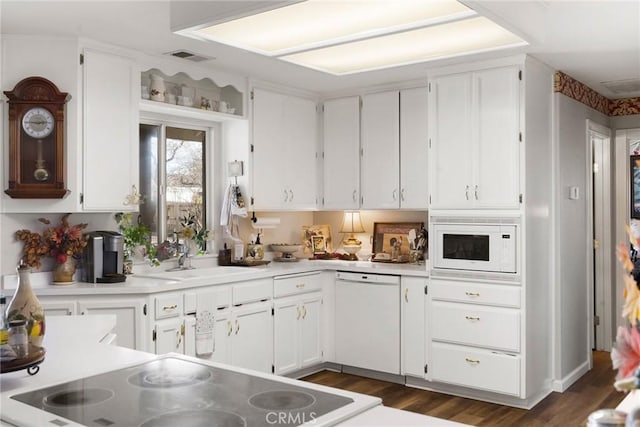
<point x="137" y="239"/>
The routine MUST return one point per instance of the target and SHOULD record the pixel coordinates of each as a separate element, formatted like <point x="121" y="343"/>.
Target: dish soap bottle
<point x="25" y="306"/>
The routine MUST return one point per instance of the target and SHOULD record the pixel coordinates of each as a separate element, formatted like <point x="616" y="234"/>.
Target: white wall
<point x="572" y="235"/>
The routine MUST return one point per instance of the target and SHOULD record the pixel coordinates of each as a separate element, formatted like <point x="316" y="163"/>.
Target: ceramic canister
<point x="157" y="88"/>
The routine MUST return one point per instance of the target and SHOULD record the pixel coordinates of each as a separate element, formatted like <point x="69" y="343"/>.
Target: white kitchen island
<point x="77" y="347"/>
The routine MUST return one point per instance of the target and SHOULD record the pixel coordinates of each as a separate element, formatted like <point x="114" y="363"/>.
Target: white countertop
<point x="157" y="279"/>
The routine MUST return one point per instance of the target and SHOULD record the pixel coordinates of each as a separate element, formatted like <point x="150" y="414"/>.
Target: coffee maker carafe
<point x="104" y="257"/>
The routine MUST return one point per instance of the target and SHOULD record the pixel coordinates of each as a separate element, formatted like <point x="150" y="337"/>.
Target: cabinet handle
<point x="472" y="318"/>
<point x="286" y="196"/>
<point x="170" y="307"/>
<point x="472" y="294"/>
<point x="298" y="310"/>
<point x="466" y="192"/>
<point x="291" y="198"/>
<point x="300" y="286"/>
<point x="402" y="195"/>
<point x="406" y="294"/>
<point x="304" y="312"/>
<point x="179" y="339"/>
<point x="475" y="192"/>
<point x="395" y="194"/>
<point x="230" y="328"/>
<point x="473" y="361"/>
<point x="237" y="327"/>
<point x="354" y="195"/>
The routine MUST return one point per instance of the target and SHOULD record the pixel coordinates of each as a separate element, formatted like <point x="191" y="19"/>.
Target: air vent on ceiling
<point x="189" y="56"/>
<point x="623" y="86"/>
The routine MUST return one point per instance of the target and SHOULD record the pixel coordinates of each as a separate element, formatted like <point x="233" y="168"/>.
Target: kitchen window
<point x="173" y="176"/>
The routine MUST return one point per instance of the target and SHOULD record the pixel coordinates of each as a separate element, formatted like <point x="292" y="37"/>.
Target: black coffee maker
<point x="103" y="257"/>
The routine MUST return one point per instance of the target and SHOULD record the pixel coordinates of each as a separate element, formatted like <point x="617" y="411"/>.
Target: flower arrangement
<point x="192" y="229"/>
<point x="60" y="242"/>
<point x="625" y="355"/>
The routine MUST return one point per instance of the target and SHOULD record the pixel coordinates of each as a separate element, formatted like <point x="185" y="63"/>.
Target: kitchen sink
<point x="200" y="273"/>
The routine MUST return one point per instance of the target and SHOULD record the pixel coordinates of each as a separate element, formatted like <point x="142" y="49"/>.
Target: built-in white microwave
<point x="479" y="247"/>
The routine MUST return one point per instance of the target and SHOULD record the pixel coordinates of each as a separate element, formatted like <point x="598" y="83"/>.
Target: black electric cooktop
<point x="181" y="393"/>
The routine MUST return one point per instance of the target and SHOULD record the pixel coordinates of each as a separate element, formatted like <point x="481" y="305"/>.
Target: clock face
<point x="38" y="122"/>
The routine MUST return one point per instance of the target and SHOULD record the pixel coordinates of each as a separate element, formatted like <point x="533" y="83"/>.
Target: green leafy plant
<point x="136" y="234"/>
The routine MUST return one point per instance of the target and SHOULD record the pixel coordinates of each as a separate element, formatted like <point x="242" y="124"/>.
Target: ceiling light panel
<point x="319" y="23"/>
<point x="453" y="39"/>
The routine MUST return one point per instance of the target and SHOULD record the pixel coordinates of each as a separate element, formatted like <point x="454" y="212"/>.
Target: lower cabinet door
<point x="310" y="331"/>
<point x="252" y="337"/>
<point x="286" y="317"/>
<point x="169" y="337"/>
<point x="476" y="368"/>
<point x="222" y="338"/>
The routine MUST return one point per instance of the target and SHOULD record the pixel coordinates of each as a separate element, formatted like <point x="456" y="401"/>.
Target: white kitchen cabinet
<point x="58" y="307"/>
<point x="111" y="84"/>
<point x="169" y="336"/>
<point x="474" y="122"/>
<point x="297" y="338"/>
<point x="414" y="140"/>
<point x="284" y="148"/>
<point x="380" y="140"/>
<point x="130" y="313"/>
<point x="252" y="337"/>
<point x="413" y="327"/>
<point x="297" y="321"/>
<point x="341" y="153"/>
<point x="475" y="335"/>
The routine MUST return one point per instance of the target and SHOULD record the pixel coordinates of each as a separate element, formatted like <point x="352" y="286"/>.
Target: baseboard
<point x="376" y="375"/>
<point x="566" y="382"/>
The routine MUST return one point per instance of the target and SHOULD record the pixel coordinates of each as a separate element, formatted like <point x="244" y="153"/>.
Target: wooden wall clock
<point x="36" y="140"/>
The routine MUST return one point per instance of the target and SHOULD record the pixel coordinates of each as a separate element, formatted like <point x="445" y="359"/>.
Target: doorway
<point x="600" y="254"/>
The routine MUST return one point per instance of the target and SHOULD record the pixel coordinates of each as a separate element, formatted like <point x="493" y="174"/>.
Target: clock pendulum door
<point x="40" y="173"/>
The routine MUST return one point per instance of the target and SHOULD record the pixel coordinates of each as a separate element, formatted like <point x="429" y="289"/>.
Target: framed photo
<point x="634" y="169"/>
<point x="319" y="245"/>
<point x="310" y="231"/>
<point x="393" y="235"/>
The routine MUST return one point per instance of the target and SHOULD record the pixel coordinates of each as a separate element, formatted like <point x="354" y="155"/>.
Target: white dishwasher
<point x="367" y="328"/>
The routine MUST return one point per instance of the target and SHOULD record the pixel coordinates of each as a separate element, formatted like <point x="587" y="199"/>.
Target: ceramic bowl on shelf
<point x="286" y="248"/>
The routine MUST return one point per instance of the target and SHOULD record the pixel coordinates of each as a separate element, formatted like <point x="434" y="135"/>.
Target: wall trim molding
<point x="568" y="86"/>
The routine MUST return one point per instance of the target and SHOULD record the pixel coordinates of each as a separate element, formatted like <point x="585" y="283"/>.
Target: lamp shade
<point x="351" y="223"/>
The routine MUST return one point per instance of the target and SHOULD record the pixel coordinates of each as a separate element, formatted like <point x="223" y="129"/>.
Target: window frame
<point x="213" y="137"/>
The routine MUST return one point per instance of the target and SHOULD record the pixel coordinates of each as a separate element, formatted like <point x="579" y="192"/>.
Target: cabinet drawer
<point x="478" y="325"/>
<point x="477" y="293"/>
<point x="256" y="290"/>
<point x="296" y="284"/>
<point x="221" y="298"/>
<point x="471" y="367"/>
<point x="169" y="305"/>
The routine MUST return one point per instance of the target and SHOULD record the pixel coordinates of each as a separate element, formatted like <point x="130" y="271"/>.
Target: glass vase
<point x="25" y="306"/>
<point x="63" y="273"/>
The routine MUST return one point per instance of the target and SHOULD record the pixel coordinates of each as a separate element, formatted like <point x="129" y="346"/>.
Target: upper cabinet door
<point x="414" y="149"/>
<point x="451" y="141"/>
<point x="380" y="173"/>
<point x="497" y="103"/>
<point x="341" y="165"/>
<point x="269" y="152"/>
<point x="301" y="120"/>
<point x="284" y="151"/>
<point x="110" y="130"/>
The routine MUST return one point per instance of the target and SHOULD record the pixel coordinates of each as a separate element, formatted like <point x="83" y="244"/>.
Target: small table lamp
<point x="352" y="224"/>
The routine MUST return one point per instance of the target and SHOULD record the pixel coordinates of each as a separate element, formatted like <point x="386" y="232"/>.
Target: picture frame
<point x="390" y="235"/>
<point x="319" y="245"/>
<point x="634" y="188"/>
<point x="309" y="231"/>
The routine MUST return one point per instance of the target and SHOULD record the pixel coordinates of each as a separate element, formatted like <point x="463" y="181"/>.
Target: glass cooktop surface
<point x="176" y="392"/>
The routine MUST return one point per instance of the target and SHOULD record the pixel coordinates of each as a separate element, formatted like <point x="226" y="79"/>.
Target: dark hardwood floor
<point x="591" y="392"/>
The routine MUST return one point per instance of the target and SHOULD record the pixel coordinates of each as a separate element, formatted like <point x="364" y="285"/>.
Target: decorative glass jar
<point x="26" y="306"/>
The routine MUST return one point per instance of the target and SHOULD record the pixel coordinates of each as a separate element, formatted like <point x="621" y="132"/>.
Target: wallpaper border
<point x="568" y="86"/>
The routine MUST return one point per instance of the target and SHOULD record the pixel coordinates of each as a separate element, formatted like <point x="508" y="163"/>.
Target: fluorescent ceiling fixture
<point x="349" y="36"/>
<point x="442" y="41"/>
<point x="318" y="23"/>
